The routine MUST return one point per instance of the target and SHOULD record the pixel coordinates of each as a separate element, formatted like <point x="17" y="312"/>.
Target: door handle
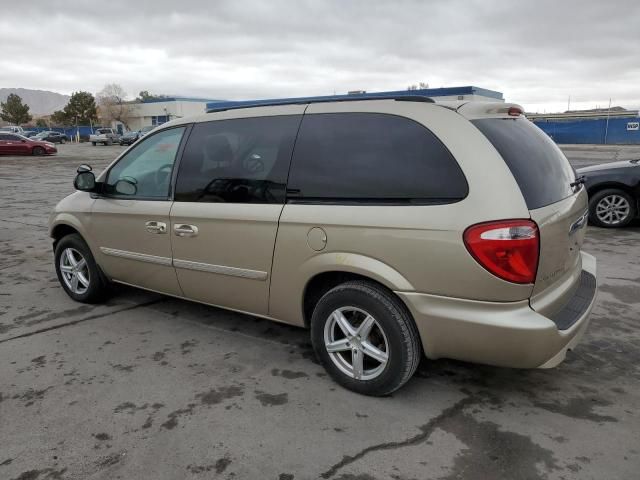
<point x="184" y="230"/>
<point x="156" y="227"/>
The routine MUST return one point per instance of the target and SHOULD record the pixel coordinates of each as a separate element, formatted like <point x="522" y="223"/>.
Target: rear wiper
<point x="581" y="180"/>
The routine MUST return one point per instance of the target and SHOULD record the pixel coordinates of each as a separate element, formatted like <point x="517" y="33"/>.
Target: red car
<point x="14" y="144"/>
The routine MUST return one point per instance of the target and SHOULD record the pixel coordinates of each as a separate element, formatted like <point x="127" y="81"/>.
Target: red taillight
<point x="508" y="248"/>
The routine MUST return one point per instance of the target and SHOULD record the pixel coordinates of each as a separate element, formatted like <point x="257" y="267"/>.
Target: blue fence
<point x="619" y="131"/>
<point x="85" y="130"/>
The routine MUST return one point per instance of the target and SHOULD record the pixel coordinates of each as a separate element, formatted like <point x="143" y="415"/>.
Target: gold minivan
<point x="390" y="227"/>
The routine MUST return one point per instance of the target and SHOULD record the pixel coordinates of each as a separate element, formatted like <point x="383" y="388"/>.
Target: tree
<point x="14" y="111"/>
<point x="144" y="95"/>
<point x="112" y="100"/>
<point x="420" y="86"/>
<point x="60" y="119"/>
<point x="41" y="122"/>
<point x="81" y="109"/>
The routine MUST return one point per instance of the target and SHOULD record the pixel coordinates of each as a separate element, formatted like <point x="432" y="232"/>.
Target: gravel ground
<point x="150" y="387"/>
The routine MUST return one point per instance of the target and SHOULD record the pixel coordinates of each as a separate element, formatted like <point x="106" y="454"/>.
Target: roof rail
<point x="233" y="105"/>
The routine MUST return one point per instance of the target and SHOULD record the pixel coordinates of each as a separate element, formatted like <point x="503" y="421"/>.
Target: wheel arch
<point x="322" y="282"/>
<point x="63" y="226"/>
<point x="612" y="184"/>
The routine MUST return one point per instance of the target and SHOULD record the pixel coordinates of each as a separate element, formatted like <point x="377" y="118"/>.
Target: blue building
<point x="451" y="93"/>
<point x="617" y="126"/>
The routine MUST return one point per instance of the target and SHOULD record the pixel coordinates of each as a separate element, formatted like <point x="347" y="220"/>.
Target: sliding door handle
<point x="184" y="230"/>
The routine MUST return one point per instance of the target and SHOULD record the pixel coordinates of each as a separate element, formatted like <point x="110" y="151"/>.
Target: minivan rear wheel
<point x="611" y="208"/>
<point x="365" y="338"/>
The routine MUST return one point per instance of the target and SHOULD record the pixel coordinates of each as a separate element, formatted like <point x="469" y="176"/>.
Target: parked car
<point x="14" y="144"/>
<point x="146" y="130"/>
<point x="391" y="228"/>
<point x="106" y="136"/>
<point x="53" y="137"/>
<point x="12" y="129"/>
<point x="614" y="192"/>
<point x="129" y="138"/>
<point x="29" y="133"/>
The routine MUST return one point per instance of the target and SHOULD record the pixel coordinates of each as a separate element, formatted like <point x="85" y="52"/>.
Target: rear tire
<point x="372" y="361"/>
<point x="78" y="271"/>
<point x="62" y="140"/>
<point x="93" y="143"/>
<point x="38" y="151"/>
<point x="612" y="208"/>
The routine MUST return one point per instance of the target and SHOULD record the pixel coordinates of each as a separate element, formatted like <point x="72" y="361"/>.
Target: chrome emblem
<point x="579" y="223"/>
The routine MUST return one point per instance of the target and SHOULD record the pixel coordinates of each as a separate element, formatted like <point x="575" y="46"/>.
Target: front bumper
<point x="502" y="334"/>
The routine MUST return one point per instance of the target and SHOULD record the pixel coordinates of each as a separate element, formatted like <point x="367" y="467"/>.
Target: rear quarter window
<point x="539" y="167"/>
<point x="347" y="157"/>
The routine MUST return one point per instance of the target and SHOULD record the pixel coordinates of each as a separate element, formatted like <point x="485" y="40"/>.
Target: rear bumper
<point x="502" y="334"/>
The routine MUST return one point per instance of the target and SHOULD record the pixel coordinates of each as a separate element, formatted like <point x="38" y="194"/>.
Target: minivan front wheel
<point x="78" y="272"/>
<point x="365" y="338"/>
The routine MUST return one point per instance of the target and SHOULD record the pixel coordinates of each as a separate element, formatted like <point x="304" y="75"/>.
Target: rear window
<point x="539" y="167"/>
<point x="357" y="157"/>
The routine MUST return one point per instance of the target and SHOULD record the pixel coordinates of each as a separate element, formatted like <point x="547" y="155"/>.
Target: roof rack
<point x="233" y="105"/>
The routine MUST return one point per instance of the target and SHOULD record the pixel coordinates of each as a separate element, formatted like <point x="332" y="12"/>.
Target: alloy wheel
<point x="75" y="271"/>
<point x="356" y="343"/>
<point x="613" y="209"/>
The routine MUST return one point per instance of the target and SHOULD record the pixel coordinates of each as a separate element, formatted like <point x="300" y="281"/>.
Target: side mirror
<point x="85" y="181"/>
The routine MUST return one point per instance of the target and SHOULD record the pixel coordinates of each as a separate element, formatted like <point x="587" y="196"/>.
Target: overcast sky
<point x="536" y="52"/>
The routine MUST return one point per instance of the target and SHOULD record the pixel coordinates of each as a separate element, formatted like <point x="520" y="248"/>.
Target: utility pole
<point x="606" y="128"/>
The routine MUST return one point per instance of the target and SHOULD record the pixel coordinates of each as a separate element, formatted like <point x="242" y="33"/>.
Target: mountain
<point x="41" y="102"/>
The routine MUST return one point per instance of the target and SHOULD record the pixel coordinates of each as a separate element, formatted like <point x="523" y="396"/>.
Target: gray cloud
<point x="536" y="52"/>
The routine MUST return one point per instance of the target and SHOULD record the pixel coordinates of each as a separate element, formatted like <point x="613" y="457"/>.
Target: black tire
<point x="98" y="289"/>
<point x="38" y="151"/>
<point x="62" y="140"/>
<point x="393" y="319"/>
<point x="93" y="143"/>
<point x="616" y="222"/>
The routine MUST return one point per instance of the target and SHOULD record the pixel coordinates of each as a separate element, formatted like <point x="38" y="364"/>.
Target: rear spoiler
<point x="474" y="110"/>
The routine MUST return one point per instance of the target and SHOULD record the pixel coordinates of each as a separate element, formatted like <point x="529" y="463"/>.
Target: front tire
<point x="93" y="143"/>
<point x="38" y="151"/>
<point x="78" y="271"/>
<point x="612" y="208"/>
<point x="365" y="338"/>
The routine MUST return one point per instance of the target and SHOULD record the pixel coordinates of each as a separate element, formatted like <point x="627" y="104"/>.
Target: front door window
<point x="145" y="171"/>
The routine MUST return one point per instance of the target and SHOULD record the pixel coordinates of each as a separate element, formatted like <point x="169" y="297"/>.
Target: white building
<point x="161" y="110"/>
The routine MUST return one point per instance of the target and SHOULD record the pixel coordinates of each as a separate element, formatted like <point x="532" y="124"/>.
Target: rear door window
<point x="242" y="160"/>
<point x="379" y="158"/>
<point x="541" y="170"/>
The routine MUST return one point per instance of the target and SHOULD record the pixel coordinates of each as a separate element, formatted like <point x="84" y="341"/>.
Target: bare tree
<point x="420" y="86"/>
<point x="113" y="104"/>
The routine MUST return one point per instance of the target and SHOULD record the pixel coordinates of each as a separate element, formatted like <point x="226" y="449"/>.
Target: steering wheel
<point x="163" y="173"/>
<point x="253" y="164"/>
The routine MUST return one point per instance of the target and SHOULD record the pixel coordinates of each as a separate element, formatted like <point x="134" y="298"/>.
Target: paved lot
<point x="149" y="387"/>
